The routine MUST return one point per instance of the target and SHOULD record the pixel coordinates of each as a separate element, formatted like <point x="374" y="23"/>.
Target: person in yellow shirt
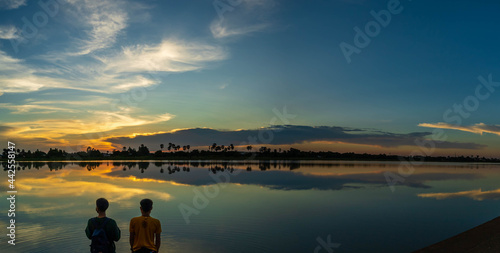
<point x="145" y="230"/>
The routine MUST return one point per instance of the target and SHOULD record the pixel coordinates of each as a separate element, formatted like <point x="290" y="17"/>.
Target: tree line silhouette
<point x="170" y="166"/>
<point x="220" y="152"/>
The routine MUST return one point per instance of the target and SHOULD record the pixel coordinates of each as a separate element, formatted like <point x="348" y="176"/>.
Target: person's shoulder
<point x="111" y="220"/>
<point x="155" y="220"/>
<point x="135" y="218"/>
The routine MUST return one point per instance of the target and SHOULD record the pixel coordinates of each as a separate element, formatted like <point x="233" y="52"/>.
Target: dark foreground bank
<point x="483" y="238"/>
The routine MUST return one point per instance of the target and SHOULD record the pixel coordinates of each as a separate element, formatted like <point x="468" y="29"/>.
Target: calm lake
<point x="237" y="206"/>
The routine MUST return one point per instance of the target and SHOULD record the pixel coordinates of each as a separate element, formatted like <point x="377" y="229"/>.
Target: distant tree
<point x="161" y="147"/>
<point x="188" y="147"/>
<point x="249" y="148"/>
<point x="214" y="145"/>
<point x="39" y="154"/>
<point x="53" y="153"/>
<point x="143" y="150"/>
<point x="132" y="151"/>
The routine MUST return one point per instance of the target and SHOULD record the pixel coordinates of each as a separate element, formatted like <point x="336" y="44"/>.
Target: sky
<point x="397" y="77"/>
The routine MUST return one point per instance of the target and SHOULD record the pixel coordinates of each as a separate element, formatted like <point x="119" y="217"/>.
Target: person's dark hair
<point x="146" y="205"/>
<point x="102" y="204"/>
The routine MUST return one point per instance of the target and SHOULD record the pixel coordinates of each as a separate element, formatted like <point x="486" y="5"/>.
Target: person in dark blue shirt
<point x="113" y="233"/>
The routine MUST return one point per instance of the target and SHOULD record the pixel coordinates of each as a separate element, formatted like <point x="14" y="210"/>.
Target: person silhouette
<point x="145" y="230"/>
<point x="102" y="242"/>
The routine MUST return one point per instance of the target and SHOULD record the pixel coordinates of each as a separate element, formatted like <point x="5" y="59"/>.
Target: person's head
<point x="101" y="205"/>
<point x="146" y="206"/>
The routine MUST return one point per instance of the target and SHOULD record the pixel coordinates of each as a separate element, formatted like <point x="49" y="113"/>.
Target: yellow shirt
<point x="144" y="229"/>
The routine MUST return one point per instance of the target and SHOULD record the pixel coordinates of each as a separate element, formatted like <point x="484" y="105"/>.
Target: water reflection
<point x="279" y="175"/>
<point x="265" y="206"/>
<point x="478" y="195"/>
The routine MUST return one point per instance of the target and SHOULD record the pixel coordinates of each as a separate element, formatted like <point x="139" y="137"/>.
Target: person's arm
<point x="132" y="235"/>
<point x="117" y="233"/>
<point x="158" y="242"/>
<point x="87" y="230"/>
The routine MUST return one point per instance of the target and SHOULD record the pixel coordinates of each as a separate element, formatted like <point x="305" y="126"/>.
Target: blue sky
<point x="102" y="73"/>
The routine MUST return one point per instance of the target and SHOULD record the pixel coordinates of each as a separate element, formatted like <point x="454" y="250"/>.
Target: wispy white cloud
<point x="115" y="73"/>
<point x="17" y="76"/>
<point x="11" y="4"/>
<point x="246" y="17"/>
<point x="8" y="63"/>
<point x="94" y="122"/>
<point x="30" y="108"/>
<point x="167" y="56"/>
<point x="46" y="106"/>
<point x="107" y="70"/>
<point x="479" y="128"/>
<point x="8" y="32"/>
<point x="104" y="20"/>
<point x="29" y="83"/>
<point x="221" y="30"/>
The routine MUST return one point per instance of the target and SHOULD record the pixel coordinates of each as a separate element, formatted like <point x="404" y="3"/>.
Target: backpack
<point x="100" y="242"/>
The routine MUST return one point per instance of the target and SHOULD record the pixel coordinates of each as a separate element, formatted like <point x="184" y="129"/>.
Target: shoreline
<point x="264" y="159"/>
<point x="483" y="238"/>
